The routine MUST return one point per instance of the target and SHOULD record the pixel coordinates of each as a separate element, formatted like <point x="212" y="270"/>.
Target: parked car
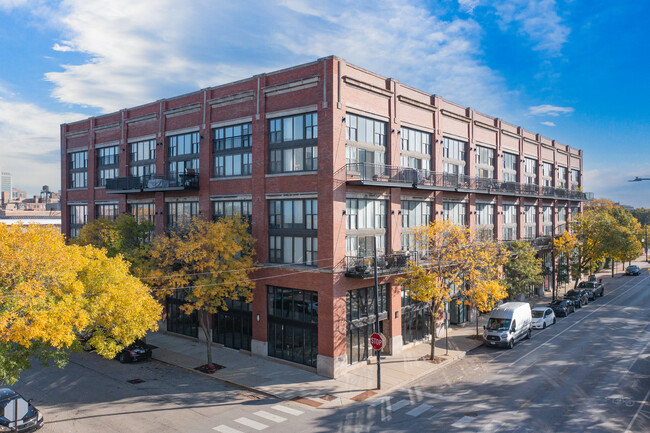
<point x="137" y="351"/>
<point x="579" y="294"/>
<point x="542" y="317"/>
<point x="633" y="270"/>
<point x="508" y="324"/>
<point x="597" y="288"/>
<point x="562" y="307"/>
<point x="18" y="414"/>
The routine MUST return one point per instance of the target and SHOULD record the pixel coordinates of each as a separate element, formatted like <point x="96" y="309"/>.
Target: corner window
<point x="78" y="218"/>
<point x="107" y="164"/>
<point x="78" y="169"/>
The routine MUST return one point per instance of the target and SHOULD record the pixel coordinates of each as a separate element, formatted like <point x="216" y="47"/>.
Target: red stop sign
<point x="376" y="341"/>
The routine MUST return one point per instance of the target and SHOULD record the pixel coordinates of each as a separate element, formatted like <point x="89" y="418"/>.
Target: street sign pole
<point x="377" y="330"/>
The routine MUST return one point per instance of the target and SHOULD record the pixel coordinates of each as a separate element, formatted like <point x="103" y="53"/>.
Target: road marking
<point x="562" y="372"/>
<point x="431" y="395"/>
<point x="379" y="401"/>
<point x="574" y="324"/>
<point x="522" y="406"/>
<point x="419" y="410"/>
<point x="270" y="416"/>
<point x="463" y="421"/>
<point x="252" y="424"/>
<point x="288" y="410"/>
<point x="399" y="405"/>
<point x="637" y="412"/>
<point x="225" y="429"/>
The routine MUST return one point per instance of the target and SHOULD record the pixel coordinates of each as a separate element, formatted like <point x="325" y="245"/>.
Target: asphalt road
<point x="590" y="372"/>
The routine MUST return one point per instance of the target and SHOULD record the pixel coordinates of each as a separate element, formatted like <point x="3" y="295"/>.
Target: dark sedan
<point x="597" y="288"/>
<point x="633" y="270"/>
<point x="18" y="414"/>
<point x="562" y="307"/>
<point x="138" y="351"/>
<point x="579" y="295"/>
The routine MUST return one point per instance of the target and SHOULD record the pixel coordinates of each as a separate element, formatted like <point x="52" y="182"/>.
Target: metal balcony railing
<point x="387" y="264"/>
<point x="364" y="173"/>
<point x="165" y="182"/>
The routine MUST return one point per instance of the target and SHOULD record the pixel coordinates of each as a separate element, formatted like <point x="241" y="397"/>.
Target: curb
<point x="219" y="379"/>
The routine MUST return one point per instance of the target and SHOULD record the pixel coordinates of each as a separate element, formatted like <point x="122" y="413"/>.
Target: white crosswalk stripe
<point x="252" y="424"/>
<point x="419" y="410"/>
<point x="379" y="401"/>
<point x="226" y="429"/>
<point x="289" y="410"/>
<point x="270" y="416"/>
<point x="399" y="405"/>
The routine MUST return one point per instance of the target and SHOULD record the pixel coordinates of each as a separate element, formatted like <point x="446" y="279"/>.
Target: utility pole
<point x="553" y="249"/>
<point x="374" y="243"/>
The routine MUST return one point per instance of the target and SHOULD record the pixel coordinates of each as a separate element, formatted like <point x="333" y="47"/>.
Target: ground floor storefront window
<point x="293" y="325"/>
<point x="416" y="319"/>
<point x="178" y="321"/>
<point x="361" y="319"/>
<point x="234" y="328"/>
<point x="458" y="312"/>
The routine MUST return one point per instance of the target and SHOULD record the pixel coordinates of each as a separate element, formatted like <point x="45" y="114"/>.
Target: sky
<point x="574" y="71"/>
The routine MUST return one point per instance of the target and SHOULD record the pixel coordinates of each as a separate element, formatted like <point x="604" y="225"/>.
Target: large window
<point x="78" y="169"/>
<point x="365" y="219"/>
<point x="485" y="220"/>
<point x="183" y="155"/>
<point x="78" y="218"/>
<point x="107" y="164"/>
<point x="530" y="171"/>
<point x="179" y="213"/>
<point x="361" y="319"/>
<point x="293" y="231"/>
<point x="293" y="325"/>
<point x="144" y="212"/>
<point x="530" y="222"/>
<point x="414" y="214"/>
<point x="561" y="177"/>
<point x="509" y="222"/>
<point x="178" y="321"/>
<point x="547" y="174"/>
<point x="293" y="143"/>
<point x="561" y="218"/>
<point x="233" y="327"/>
<point x="509" y="167"/>
<point x="416" y="319"/>
<point x="453" y="156"/>
<point x="364" y="130"/>
<point x="455" y="212"/>
<point x="243" y="208"/>
<point x="575" y="178"/>
<point x="484" y="162"/>
<point x="232" y="151"/>
<point x="110" y="211"/>
<point x="366" y="144"/>
<point x="416" y="149"/>
<point x="142" y="158"/>
<point x="547" y="221"/>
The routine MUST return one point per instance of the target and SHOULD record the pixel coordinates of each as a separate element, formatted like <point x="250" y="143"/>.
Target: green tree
<point x="51" y="292"/>
<point x="210" y="262"/>
<point x="522" y="269"/>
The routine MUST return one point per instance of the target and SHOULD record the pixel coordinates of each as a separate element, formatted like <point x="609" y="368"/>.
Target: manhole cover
<point x="134" y="381"/>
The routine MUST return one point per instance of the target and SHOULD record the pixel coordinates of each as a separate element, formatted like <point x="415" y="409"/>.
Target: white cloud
<point x="537" y="20"/>
<point x="11" y="4"/>
<point x="547" y="123"/>
<point x="29" y="144"/>
<point x="63" y="48"/>
<point x="468" y="5"/>
<point x="612" y="183"/>
<point x="549" y="110"/>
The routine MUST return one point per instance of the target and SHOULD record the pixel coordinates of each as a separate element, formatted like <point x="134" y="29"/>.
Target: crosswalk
<point x="261" y="419"/>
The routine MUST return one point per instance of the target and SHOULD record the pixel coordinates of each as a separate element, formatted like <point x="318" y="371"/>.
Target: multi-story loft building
<point x="322" y="158"/>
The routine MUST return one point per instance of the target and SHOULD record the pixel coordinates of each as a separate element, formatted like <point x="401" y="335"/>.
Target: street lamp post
<point x="645" y="217"/>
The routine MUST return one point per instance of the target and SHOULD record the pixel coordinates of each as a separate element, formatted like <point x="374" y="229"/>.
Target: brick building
<point x="322" y="157"/>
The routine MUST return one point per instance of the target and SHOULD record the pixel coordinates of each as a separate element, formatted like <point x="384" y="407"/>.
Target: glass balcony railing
<point x="149" y="183"/>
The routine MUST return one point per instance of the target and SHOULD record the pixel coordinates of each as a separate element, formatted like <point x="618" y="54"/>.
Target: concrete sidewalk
<point x="290" y="382"/>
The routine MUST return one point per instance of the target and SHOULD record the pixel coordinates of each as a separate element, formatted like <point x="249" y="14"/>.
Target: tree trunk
<point x="476" y="312"/>
<point x="204" y="327"/>
<point x="433" y="334"/>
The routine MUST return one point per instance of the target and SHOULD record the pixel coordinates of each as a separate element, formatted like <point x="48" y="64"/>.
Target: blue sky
<point x="575" y="71"/>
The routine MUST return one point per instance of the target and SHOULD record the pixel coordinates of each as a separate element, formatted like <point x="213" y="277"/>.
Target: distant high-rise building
<point x="5" y="182"/>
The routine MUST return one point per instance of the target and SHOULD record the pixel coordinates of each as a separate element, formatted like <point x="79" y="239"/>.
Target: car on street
<point x="597" y="288"/>
<point x="578" y="294"/>
<point x="542" y="317"/>
<point x="633" y="270"/>
<point x="137" y="351"/>
<point x="562" y="307"/>
<point x="18" y="414"/>
<point x="508" y="323"/>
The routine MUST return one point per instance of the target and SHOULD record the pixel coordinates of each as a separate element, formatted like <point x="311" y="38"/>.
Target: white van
<point x="508" y="324"/>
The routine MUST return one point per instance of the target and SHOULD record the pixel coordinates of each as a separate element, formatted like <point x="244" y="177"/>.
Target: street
<point x="588" y="372"/>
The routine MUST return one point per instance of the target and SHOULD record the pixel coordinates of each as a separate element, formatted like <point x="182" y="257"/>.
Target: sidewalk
<point x="289" y="382"/>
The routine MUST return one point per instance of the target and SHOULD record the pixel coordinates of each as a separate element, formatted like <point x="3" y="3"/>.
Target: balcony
<point x="401" y="177"/>
<point x="152" y="183"/>
<point x="387" y="264"/>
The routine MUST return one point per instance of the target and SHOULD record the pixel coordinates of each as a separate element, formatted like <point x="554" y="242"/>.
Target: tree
<point x="51" y="292"/>
<point x="124" y="235"/>
<point x="522" y="270"/>
<point x="210" y="262"/>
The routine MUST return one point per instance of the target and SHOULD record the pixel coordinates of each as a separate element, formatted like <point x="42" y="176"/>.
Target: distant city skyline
<point x="553" y="67"/>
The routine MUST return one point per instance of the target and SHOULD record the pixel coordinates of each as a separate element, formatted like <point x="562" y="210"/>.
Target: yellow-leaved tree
<point x="209" y="262"/>
<point x="50" y="292"/>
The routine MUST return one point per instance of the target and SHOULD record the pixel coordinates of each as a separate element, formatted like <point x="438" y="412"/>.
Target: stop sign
<point x="377" y="341"/>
